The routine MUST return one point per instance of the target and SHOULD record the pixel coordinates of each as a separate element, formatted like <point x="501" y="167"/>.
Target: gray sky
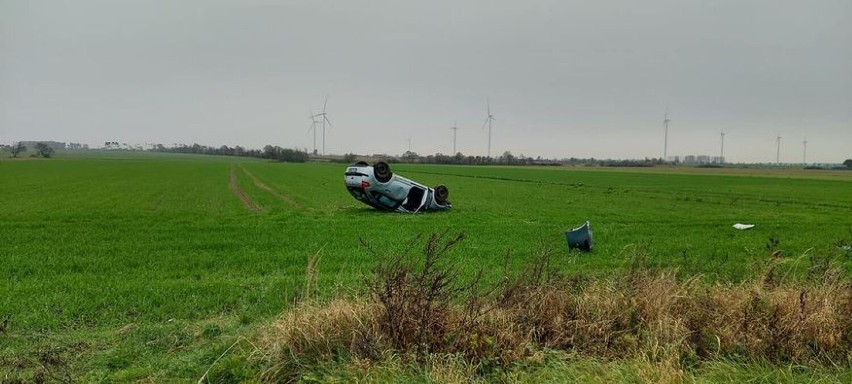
<point x="564" y="78"/>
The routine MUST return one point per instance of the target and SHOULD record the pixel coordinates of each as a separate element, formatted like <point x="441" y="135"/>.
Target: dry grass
<point x="656" y="317"/>
<point x="315" y="332"/>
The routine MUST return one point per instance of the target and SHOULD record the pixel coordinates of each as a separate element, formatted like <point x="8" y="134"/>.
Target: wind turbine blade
<point x="327" y="120"/>
<point x="324" y="104"/>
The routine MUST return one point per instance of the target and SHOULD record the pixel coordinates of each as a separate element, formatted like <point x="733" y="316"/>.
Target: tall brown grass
<point x="418" y="310"/>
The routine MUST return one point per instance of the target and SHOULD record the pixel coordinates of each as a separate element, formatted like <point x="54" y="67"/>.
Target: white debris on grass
<point x="743" y="226"/>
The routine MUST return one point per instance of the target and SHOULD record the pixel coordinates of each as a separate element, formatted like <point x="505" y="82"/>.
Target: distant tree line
<point x="42" y="149"/>
<point x="507" y="158"/>
<point x="268" y="152"/>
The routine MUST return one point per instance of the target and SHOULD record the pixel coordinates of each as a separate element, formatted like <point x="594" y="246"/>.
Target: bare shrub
<point x="415" y="300"/>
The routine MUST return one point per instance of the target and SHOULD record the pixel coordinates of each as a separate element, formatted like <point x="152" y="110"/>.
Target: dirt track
<point x="260" y="184"/>
<point x="239" y="192"/>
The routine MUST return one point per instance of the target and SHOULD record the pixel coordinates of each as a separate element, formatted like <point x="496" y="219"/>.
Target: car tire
<point x="442" y="193"/>
<point x="382" y="171"/>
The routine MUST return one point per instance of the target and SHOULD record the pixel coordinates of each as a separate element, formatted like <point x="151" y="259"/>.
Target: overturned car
<point x="380" y="188"/>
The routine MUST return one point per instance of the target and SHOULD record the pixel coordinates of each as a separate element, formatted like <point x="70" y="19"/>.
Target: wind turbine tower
<point x="488" y="121"/>
<point x="778" y="152"/>
<point x="455" y="131"/>
<point x="313" y="128"/>
<point x="666" y="136"/>
<point x="805" y="151"/>
<point x="324" y="119"/>
<point x="722" y="149"/>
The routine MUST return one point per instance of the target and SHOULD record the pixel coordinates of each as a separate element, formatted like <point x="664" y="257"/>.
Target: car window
<point x="384" y="200"/>
<point x="415" y="198"/>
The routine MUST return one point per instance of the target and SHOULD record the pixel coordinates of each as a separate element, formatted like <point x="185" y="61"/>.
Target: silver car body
<point x="397" y="194"/>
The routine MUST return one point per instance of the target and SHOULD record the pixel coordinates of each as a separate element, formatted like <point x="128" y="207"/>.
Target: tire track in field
<point x="239" y="192"/>
<point x="157" y="206"/>
<point x="260" y="184"/>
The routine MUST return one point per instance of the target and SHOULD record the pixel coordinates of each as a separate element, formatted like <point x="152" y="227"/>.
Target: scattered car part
<point x="580" y="238"/>
<point x="743" y="226"/>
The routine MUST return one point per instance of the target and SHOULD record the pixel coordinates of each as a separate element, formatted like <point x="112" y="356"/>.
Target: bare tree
<point x="44" y="150"/>
<point x="18" y="148"/>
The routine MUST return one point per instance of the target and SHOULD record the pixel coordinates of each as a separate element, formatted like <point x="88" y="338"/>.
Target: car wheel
<point x="382" y="171"/>
<point x="441" y="194"/>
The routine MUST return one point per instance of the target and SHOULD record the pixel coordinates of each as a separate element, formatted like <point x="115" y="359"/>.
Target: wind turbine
<point x="313" y="128"/>
<point x="455" y="130"/>
<point x="666" y="137"/>
<point x="805" y="151"/>
<point x="722" y="150"/>
<point x="324" y="120"/>
<point x="778" y="152"/>
<point x="488" y="121"/>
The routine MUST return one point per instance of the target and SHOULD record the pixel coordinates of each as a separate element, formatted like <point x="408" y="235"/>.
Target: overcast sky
<point x="564" y="78"/>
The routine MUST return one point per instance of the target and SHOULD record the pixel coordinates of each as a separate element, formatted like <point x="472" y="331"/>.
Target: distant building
<point x="77" y="146"/>
<point x="703" y="159"/>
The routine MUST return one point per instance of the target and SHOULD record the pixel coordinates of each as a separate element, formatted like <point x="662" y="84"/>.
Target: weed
<point x="311" y="273"/>
<point x="5" y="324"/>
<point x="415" y="300"/>
<point x="772" y="243"/>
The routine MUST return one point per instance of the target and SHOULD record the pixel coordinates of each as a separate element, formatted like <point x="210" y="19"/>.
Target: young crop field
<point x="136" y="266"/>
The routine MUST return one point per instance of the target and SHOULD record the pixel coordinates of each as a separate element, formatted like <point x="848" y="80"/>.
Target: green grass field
<point x="129" y="266"/>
